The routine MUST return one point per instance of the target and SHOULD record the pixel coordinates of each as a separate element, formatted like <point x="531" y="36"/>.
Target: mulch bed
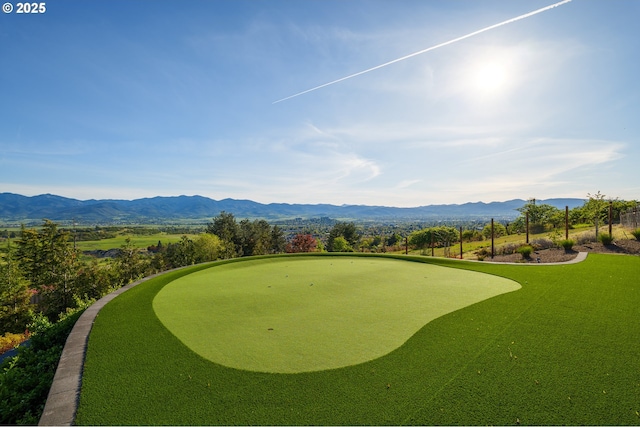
<point x="628" y="247"/>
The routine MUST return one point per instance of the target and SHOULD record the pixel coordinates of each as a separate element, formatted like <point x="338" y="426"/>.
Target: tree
<point x="208" y="247"/>
<point x="516" y="226"/>
<point x="442" y="236"/>
<point x="181" y="253"/>
<point x="540" y="215"/>
<point x="129" y="263"/>
<point x="95" y="280"/>
<point x="15" y="304"/>
<point x="255" y="237"/>
<point x="340" y="244"/>
<point x="226" y="228"/>
<point x="302" y="243"/>
<point x="49" y="262"/>
<point x="499" y="230"/>
<point x="596" y="209"/>
<point x="394" y="239"/>
<point x="345" y="230"/>
<point x="422" y="239"/>
<point x="278" y="241"/>
<point x="471" y="235"/>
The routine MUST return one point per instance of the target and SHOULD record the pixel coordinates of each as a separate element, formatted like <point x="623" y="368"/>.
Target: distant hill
<point x="16" y="208"/>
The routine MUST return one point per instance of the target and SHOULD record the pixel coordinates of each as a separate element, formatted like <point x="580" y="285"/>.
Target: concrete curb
<point x="62" y="401"/>
<point x="579" y="258"/>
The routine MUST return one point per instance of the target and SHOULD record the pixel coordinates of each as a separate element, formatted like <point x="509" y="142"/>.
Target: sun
<point x="489" y="77"/>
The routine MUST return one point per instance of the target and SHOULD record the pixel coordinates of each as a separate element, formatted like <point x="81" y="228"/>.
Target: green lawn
<point x="561" y="350"/>
<point x="138" y="241"/>
<point x="292" y="315"/>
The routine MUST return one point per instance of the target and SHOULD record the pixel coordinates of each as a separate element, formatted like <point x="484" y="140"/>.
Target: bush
<point x="525" y="251"/>
<point x="25" y="379"/>
<point x="567" y="244"/>
<point x="10" y="341"/>
<point x="482" y="253"/>
<point x="507" y="249"/>
<point x="636" y="234"/>
<point x="540" y="244"/>
<point x="606" y="238"/>
<point x="583" y="238"/>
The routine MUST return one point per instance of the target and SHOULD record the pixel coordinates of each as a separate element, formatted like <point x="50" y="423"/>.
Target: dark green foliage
<point x="25" y="379"/>
<point x="567" y="244"/>
<point x="441" y="236"/>
<point x="129" y="263"/>
<point x="636" y="234"/>
<point x="49" y="262"/>
<point x="226" y="228"/>
<point x="246" y="238"/>
<point x="15" y="306"/>
<point x="541" y="215"/>
<point x="605" y="238"/>
<point x="348" y="232"/>
<point x="181" y="253"/>
<point x="499" y="230"/>
<point x="340" y="244"/>
<point x="525" y="251"/>
<point x="278" y="241"/>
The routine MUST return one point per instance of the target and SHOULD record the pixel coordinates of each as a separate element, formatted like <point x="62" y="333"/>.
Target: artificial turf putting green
<point x="290" y="315"/>
<point x="562" y="350"/>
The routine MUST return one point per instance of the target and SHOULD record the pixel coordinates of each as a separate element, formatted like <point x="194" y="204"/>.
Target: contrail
<point x="509" y="21"/>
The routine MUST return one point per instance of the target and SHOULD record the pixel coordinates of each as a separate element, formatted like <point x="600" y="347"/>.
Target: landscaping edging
<point x="579" y="258"/>
<point x="62" y="401"/>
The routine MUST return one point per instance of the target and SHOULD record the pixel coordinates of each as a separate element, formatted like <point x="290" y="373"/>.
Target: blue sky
<point x="128" y="99"/>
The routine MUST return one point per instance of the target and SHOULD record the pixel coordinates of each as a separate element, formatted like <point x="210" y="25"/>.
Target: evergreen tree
<point x="15" y="305"/>
<point x="278" y="241"/>
<point x="49" y="262"/>
<point x="226" y="228"/>
<point x="129" y="264"/>
<point x="345" y="230"/>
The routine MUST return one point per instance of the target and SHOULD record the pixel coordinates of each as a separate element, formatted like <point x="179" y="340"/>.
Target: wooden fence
<point x="631" y="218"/>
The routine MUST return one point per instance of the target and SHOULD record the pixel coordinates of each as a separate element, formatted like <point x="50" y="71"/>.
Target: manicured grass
<point x="292" y="315"/>
<point x="137" y="240"/>
<point x="561" y="350"/>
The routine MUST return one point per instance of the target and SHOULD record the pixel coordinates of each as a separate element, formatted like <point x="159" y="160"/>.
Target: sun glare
<point x="489" y="77"/>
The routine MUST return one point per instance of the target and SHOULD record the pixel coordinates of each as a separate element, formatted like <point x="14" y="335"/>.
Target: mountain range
<point x="19" y="208"/>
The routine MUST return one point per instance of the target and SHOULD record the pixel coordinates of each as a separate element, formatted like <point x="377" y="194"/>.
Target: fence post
<point x="492" y="243"/>
<point x="566" y="222"/>
<point x="432" y="244"/>
<point x="610" y="216"/>
<point x="460" y="242"/>
<point x="526" y="224"/>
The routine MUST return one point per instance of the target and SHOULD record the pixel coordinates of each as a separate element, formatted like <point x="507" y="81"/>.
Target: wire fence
<point x="631" y="218"/>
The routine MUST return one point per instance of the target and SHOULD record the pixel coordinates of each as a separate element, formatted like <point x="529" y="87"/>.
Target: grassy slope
<point x="562" y="350"/>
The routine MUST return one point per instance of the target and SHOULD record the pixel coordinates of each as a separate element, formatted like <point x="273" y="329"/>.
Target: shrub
<point x="10" y="341"/>
<point x="507" y="249"/>
<point x="605" y="238"/>
<point x="583" y="238"/>
<point x="567" y="244"/>
<point x="636" y="234"/>
<point x="525" y="251"/>
<point x="482" y="253"/>
<point x="25" y="379"/>
<point x="540" y="244"/>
